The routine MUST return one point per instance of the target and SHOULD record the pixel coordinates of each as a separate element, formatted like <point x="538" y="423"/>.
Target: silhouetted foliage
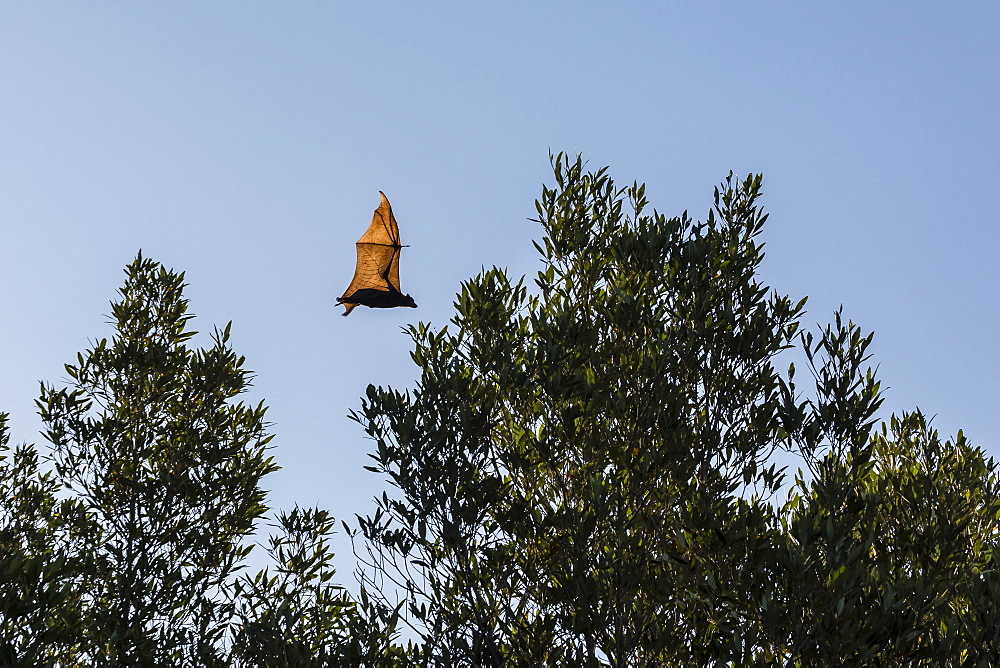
<point x="131" y="552"/>
<point x="147" y="438"/>
<point x="42" y="562"/>
<point x="891" y="554"/>
<point x="583" y="474"/>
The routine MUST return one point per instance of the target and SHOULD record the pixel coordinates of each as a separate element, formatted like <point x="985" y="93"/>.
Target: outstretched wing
<point x="378" y="254"/>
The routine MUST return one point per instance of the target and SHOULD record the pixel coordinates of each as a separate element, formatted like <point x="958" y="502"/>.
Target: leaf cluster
<point x="584" y="473"/>
<point x="130" y="550"/>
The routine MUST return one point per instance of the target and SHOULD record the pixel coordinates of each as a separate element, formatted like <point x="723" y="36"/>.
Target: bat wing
<point x="392" y="276"/>
<point x="383" y="229"/>
<point x="378" y="255"/>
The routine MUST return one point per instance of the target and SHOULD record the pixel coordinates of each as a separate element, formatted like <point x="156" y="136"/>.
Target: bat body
<point x="376" y="276"/>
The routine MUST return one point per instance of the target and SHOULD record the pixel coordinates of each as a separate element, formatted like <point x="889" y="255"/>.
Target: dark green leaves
<point x="583" y="475"/>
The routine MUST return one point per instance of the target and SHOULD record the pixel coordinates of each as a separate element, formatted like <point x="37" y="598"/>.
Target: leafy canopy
<point x="584" y="472"/>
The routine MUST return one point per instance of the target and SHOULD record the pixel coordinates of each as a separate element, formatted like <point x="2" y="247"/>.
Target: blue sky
<point x="246" y="144"/>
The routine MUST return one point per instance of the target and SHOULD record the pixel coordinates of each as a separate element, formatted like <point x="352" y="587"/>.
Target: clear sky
<point x="245" y="143"/>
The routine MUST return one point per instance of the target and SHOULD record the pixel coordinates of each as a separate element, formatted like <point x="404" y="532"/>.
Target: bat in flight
<point x="376" y="277"/>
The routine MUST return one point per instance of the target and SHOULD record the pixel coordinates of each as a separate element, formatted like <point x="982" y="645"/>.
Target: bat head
<point x="407" y="300"/>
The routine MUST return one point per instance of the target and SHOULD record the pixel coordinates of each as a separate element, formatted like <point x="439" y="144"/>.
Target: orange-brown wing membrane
<point x="383" y="229"/>
<point x="378" y="254"/>
<point x="372" y="268"/>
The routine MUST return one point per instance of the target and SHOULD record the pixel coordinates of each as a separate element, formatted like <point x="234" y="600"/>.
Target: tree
<point x="41" y="572"/>
<point x="298" y="616"/>
<point x="131" y="552"/>
<point x="148" y="439"/>
<point x="583" y="474"/>
<point x="892" y="554"/>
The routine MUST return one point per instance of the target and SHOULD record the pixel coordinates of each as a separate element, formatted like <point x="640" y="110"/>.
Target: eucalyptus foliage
<point x="892" y="554"/>
<point x="147" y="438"/>
<point x="297" y="616"/>
<point x="583" y="474"/>
<point x="130" y="549"/>
<point x="42" y="562"/>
